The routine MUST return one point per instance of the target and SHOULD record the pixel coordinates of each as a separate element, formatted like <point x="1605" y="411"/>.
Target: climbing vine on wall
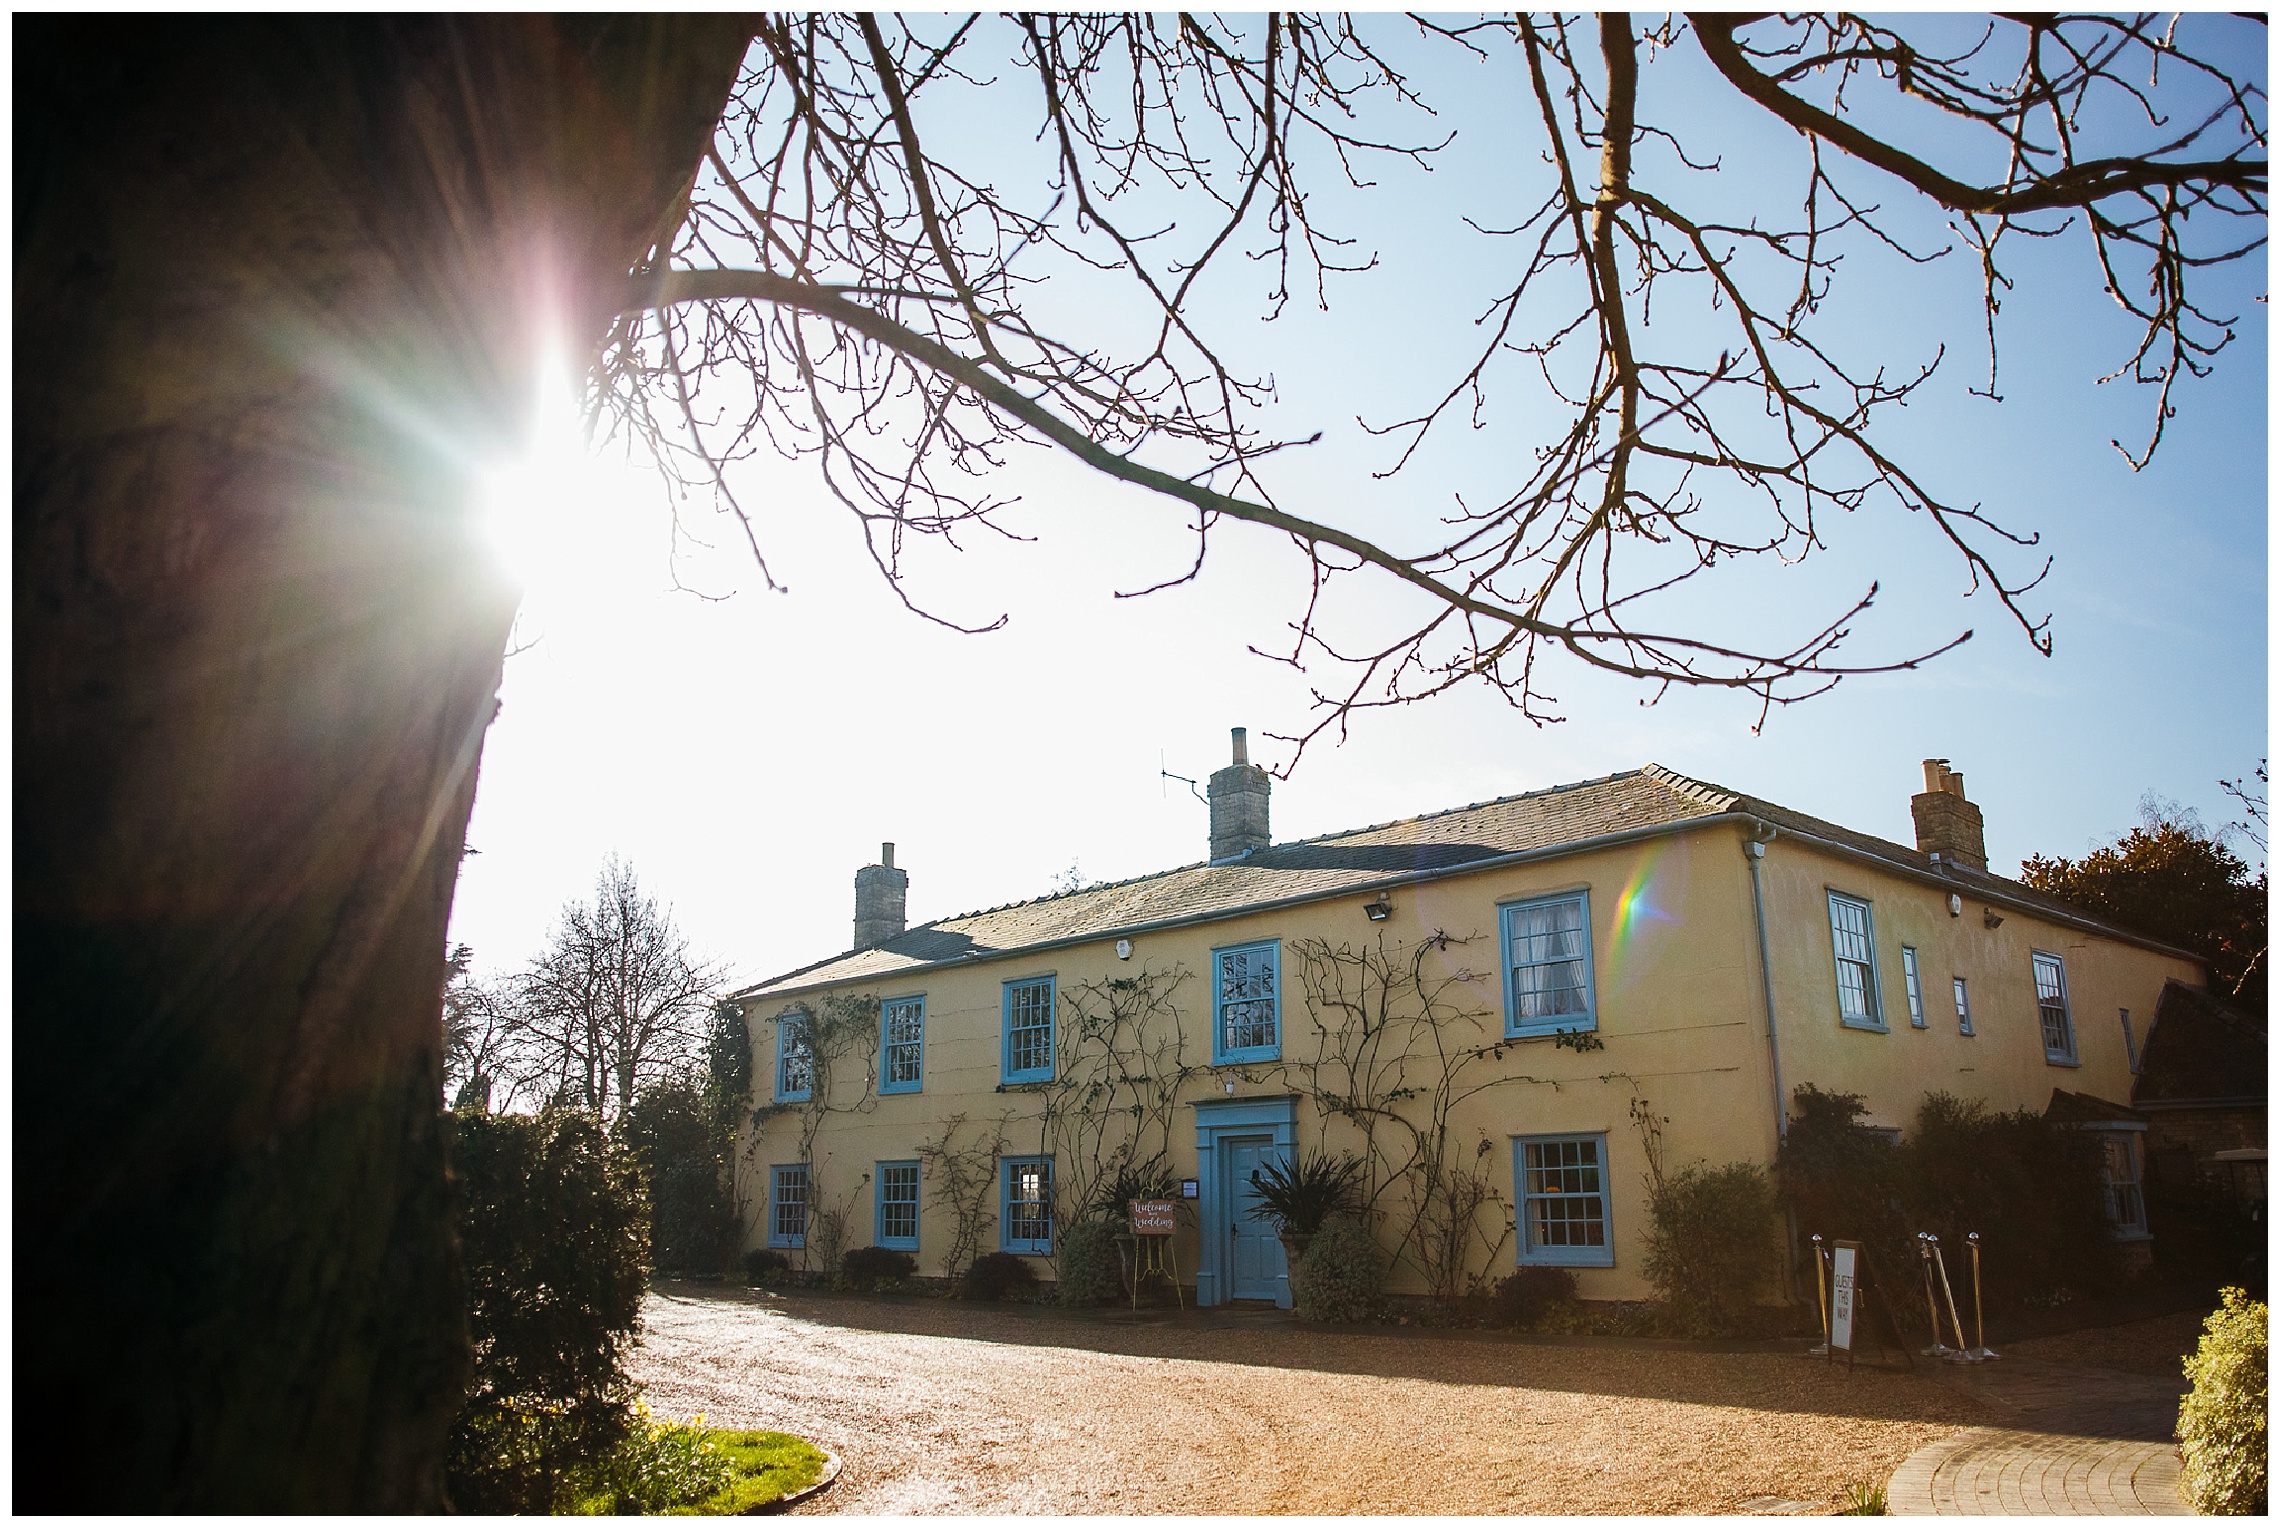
<point x="842" y="1038"/>
<point x="1394" y="1041"/>
<point x="1120" y="1069"/>
<point x="961" y="1177"/>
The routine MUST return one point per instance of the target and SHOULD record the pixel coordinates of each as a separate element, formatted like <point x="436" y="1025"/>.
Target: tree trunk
<point x="278" y="291"/>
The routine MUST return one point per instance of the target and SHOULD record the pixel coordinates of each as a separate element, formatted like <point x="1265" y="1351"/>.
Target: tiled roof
<point x="2088" y="1109"/>
<point x="1638" y="800"/>
<point x="2198" y="1048"/>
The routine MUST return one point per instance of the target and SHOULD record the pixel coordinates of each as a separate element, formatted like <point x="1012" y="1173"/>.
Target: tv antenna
<point x="1166" y="774"/>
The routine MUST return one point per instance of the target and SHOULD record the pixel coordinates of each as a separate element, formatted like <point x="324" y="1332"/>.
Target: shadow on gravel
<point x="1763" y="1376"/>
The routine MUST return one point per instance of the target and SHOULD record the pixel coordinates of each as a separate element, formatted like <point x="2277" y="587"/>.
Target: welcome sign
<point x="1154" y="1217"/>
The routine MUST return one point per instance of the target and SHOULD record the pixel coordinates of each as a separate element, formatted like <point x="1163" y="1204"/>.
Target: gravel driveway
<point x="936" y="1406"/>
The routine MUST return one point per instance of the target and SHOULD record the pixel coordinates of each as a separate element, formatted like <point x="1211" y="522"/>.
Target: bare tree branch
<point x="848" y="290"/>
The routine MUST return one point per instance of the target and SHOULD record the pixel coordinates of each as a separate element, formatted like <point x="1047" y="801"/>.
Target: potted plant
<point x="1299" y="1197"/>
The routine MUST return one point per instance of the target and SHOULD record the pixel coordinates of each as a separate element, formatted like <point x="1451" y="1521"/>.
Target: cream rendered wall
<point x="2003" y="1063"/>
<point x="1680" y="1009"/>
<point x="1679" y="1006"/>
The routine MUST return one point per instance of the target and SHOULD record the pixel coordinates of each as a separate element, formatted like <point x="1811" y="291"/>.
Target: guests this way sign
<point x="1844" y="1299"/>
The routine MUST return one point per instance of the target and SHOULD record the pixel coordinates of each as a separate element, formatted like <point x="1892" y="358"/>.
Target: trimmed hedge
<point x="2222" y="1426"/>
<point x="1091" y="1273"/>
<point x="1523" y="1298"/>
<point x="1710" y="1245"/>
<point x="870" y="1267"/>
<point x="994" y="1275"/>
<point x="1342" y="1276"/>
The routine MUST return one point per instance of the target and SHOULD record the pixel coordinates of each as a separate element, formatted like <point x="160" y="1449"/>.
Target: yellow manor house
<point x="1483" y="1004"/>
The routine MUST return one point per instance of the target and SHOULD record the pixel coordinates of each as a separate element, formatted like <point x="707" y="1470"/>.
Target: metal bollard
<point x="1983" y="1352"/>
<point x="1961" y="1354"/>
<point x="1937" y="1349"/>
<point x="1821" y="1293"/>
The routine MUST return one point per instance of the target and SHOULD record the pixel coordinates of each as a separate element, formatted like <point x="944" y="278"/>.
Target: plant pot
<point x="1294" y="1245"/>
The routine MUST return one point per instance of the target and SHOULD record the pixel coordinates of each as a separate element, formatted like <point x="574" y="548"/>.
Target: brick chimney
<point x="1239" y="806"/>
<point x="879" y="891"/>
<point x="1947" y="825"/>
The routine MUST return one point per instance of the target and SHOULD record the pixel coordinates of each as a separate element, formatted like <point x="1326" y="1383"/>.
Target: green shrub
<point x="1843" y="1180"/>
<point x="762" y="1265"/>
<point x="682" y="1132"/>
<point x="2222" y="1425"/>
<point x="1091" y="1272"/>
<point x="553" y="1231"/>
<point x="1522" y="1299"/>
<point x="1342" y="1276"/>
<point x="1863" y="1499"/>
<point x="870" y="1267"/>
<point x="1296" y="1198"/>
<point x="2029" y="1186"/>
<point x="1112" y="1198"/>
<point x="2033" y="1190"/>
<point x="1709" y="1245"/>
<point x="994" y="1275"/>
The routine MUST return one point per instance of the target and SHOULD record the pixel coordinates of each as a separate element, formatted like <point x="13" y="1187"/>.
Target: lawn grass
<point x="671" y="1470"/>
<point x="770" y="1465"/>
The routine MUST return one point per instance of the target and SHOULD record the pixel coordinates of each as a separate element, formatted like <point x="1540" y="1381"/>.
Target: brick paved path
<point x="2080" y="1442"/>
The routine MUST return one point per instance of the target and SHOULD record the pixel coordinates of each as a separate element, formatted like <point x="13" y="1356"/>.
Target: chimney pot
<point x="1949" y="826"/>
<point x="1242" y="745"/>
<point x="887" y="855"/>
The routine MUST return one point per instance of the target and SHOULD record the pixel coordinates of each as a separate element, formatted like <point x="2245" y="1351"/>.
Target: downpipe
<point x="1753" y="850"/>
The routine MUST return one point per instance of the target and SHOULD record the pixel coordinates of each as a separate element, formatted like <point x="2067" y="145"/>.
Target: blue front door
<point x="1255" y="1260"/>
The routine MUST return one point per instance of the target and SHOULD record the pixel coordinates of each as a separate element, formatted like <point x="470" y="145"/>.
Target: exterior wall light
<point x="1379" y="910"/>
<point x="1990" y="917"/>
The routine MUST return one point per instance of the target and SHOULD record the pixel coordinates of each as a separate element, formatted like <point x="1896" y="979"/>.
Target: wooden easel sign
<point x="1154" y="1223"/>
<point x="1844" y="1299"/>
<point x="1154" y="1217"/>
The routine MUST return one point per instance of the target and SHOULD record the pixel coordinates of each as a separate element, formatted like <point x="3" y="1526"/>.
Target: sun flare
<point x="552" y="516"/>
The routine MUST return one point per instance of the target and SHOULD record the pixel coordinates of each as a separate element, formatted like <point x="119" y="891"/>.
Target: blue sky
<point x="747" y="754"/>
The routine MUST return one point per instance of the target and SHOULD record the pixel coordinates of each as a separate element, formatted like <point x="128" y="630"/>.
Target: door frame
<point x="1216" y="1120"/>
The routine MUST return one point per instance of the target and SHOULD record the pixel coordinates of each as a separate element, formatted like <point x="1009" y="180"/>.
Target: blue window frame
<point x="1852" y="933"/>
<point x="2050" y="1003"/>
<point x="1560" y="1185"/>
<point x="795" y="1059"/>
<point x="788" y="1205"/>
<point x="897" y="1222"/>
<point x="1547" y="965"/>
<point x="1028" y="1054"/>
<point x="1246" y="1003"/>
<point x="902" y="1045"/>
<point x="1914" y="976"/>
<point x="1025" y="1221"/>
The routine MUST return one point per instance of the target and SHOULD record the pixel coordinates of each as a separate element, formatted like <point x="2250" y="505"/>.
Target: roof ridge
<point x="1725" y="798"/>
<point x="1651" y="798"/>
<point x="1289" y="843"/>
